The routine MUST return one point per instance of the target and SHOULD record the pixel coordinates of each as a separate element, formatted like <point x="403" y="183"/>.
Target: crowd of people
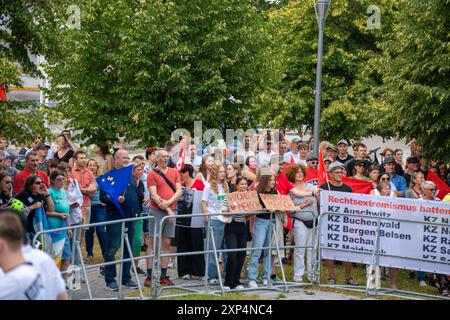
<point x="63" y="183"/>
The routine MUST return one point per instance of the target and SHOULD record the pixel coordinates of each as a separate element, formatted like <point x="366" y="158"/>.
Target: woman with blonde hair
<point x="214" y="201"/>
<point x="415" y="185"/>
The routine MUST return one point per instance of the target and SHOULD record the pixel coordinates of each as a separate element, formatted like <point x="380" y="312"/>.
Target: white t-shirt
<point x="296" y="156"/>
<point x="53" y="282"/>
<point x="22" y="283"/>
<point x="196" y="162"/>
<point x="263" y="158"/>
<point x="214" y="202"/>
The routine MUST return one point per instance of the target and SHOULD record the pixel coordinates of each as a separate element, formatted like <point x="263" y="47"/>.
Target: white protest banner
<point x="408" y="244"/>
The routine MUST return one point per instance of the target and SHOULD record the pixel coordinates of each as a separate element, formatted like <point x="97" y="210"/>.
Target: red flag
<point x="358" y="186"/>
<point x="283" y="185"/>
<point x="443" y="188"/>
<point x="321" y="172"/>
<point x="2" y="93"/>
<point x="311" y="174"/>
<point x="292" y="160"/>
<point x="182" y="156"/>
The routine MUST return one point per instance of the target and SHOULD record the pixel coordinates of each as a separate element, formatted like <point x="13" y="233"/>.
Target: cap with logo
<point x="343" y="141"/>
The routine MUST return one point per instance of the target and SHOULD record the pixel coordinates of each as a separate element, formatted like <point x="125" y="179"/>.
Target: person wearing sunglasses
<point x="429" y="193"/>
<point x="359" y="171"/>
<point x="263" y="157"/>
<point x="6" y="186"/>
<point x="429" y="190"/>
<point x="312" y="162"/>
<point x="35" y="195"/>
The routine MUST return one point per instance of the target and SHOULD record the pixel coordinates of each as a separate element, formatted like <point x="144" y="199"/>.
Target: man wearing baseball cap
<point x="336" y="171"/>
<point x="398" y="181"/>
<point x="412" y="165"/>
<point x="42" y="151"/>
<point x="343" y="155"/>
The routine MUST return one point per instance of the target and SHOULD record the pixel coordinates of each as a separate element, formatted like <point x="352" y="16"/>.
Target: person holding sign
<point x="336" y="171"/>
<point x="261" y="233"/>
<point x="236" y="238"/>
<point x="304" y="220"/>
<point x="214" y="201"/>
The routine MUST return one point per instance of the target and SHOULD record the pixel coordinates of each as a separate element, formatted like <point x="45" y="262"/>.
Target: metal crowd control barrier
<point x="375" y="258"/>
<point x="76" y="250"/>
<point x="156" y="292"/>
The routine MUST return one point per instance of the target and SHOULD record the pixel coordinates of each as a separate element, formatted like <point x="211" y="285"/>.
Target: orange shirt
<point x="85" y="179"/>
<point x="162" y="188"/>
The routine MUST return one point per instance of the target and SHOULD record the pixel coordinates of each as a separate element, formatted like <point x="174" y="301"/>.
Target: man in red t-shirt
<point x="31" y="163"/>
<point x="164" y="185"/>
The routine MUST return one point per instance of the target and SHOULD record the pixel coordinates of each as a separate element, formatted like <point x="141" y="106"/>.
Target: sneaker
<point x="170" y="265"/>
<point x="197" y="278"/>
<point x="422" y="283"/>
<point x="252" y="284"/>
<point x="148" y="283"/>
<point x="226" y="288"/>
<point x="298" y="280"/>
<point x="186" y="277"/>
<point x="101" y="271"/>
<point x="239" y="287"/>
<point x="130" y="284"/>
<point x="351" y="282"/>
<point x="140" y="271"/>
<point x="213" y="281"/>
<point x="166" y="282"/>
<point x="112" y="286"/>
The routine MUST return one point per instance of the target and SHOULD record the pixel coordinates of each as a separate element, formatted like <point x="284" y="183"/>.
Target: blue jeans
<point x="98" y="214"/>
<point x="219" y="238"/>
<point x="113" y="241"/>
<point x="421" y="275"/>
<point x="260" y="239"/>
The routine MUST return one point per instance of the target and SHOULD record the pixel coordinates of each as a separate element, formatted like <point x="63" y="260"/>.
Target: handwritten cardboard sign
<point x="244" y="201"/>
<point x="277" y="202"/>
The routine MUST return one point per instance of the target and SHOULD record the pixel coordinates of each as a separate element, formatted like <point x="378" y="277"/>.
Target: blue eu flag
<point x="114" y="183"/>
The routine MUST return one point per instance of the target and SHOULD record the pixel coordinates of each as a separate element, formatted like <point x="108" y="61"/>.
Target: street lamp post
<point x="321" y="7"/>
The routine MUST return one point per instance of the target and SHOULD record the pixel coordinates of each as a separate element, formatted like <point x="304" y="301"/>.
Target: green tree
<point x="20" y="36"/>
<point x="349" y="108"/>
<point x="146" y="68"/>
<point x="415" y="65"/>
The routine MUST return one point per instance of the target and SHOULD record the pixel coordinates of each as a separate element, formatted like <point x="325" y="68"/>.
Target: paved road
<point x="99" y="291"/>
